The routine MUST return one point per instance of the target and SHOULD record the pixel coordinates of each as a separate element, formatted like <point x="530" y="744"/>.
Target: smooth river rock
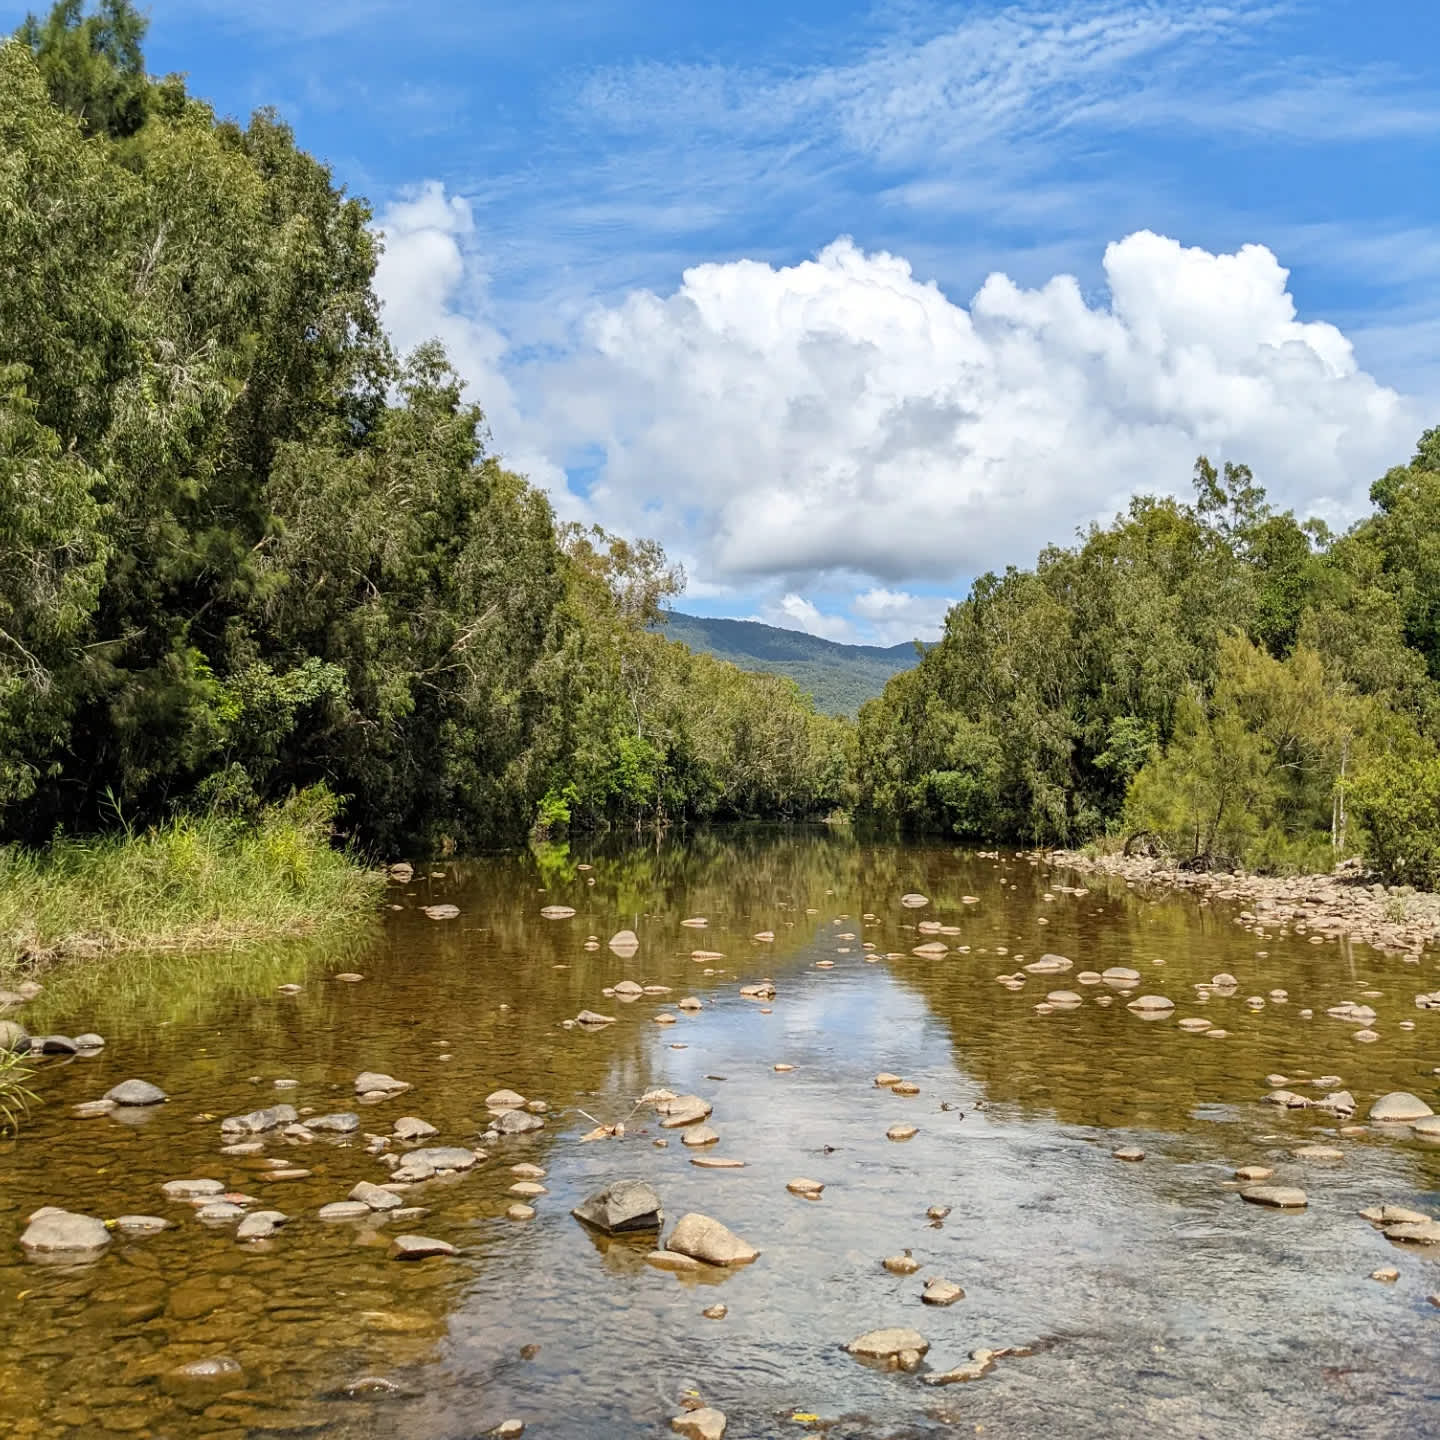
<point x="61" y="1232"/>
<point x="941" y="1292"/>
<point x="703" y="1238"/>
<point x="418" y="1247"/>
<point x="1399" y="1107"/>
<point x="136" y="1092"/>
<point x="707" y="1423"/>
<point x="1278" y="1197"/>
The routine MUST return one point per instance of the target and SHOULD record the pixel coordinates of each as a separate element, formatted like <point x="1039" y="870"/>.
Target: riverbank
<point x="192" y="884"/>
<point x="1394" y="918"/>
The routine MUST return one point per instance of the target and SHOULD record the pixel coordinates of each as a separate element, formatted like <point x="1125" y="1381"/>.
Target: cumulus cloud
<point x="842" y="416"/>
<point x="895" y="616"/>
<point x="431" y="287"/>
<point x="795" y="612"/>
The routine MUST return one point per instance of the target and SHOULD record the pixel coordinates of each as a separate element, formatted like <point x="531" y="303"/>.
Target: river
<point x="1153" y="1300"/>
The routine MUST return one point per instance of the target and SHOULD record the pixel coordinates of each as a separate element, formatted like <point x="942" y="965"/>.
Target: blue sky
<point x="719" y="272"/>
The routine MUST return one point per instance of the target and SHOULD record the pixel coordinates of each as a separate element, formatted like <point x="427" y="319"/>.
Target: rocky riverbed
<point x="777" y="1133"/>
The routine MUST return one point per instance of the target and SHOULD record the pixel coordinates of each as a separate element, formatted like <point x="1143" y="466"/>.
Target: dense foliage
<point x="1215" y="678"/>
<point x="245" y="548"/>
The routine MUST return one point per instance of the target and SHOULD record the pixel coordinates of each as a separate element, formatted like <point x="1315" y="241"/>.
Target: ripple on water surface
<point x="1153" y="1299"/>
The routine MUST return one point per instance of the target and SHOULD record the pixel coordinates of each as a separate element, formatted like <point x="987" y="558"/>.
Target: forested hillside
<point x="245" y="547"/>
<point x="840" y="678"/>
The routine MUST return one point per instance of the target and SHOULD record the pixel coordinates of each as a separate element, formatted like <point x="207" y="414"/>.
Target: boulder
<point x="376" y="1196"/>
<point x="705" y="1239"/>
<point x="1426" y="1232"/>
<point x="516" y="1122"/>
<point x="620" y="1207"/>
<point x="505" y="1100"/>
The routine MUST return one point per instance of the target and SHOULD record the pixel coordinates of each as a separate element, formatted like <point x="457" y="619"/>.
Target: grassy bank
<point x="193" y="883"/>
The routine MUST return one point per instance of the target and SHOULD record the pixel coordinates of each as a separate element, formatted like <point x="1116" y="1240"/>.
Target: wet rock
<point x="592" y="1019"/>
<point x="902" y="1132"/>
<point x="439" y="1158"/>
<point x="979" y="1365"/>
<point x="905" y="1264"/>
<point x="717" y="1162"/>
<point x="1319" y="1152"/>
<point x="1426" y="1129"/>
<point x="1278" y="1197"/>
<point x="509" y="1430"/>
<point x="914" y="901"/>
<point x="941" y="1292"/>
<point x="896" y="1348"/>
<point x="1151" y="1005"/>
<point x="1120" y="976"/>
<point x="441" y="912"/>
<point x="937" y="1212"/>
<point x="698" y="1135"/>
<point x="809" y="1189"/>
<point x="418" y="1247"/>
<point x="557" y="912"/>
<point x="761" y="990"/>
<point x="345" y="1210"/>
<point x="52" y="1045"/>
<point x="341" y="1122"/>
<point x="716" y="1311"/>
<point x="628" y="990"/>
<point x="218" y="1372"/>
<point x="376" y="1196"/>
<point x="683" y="1110"/>
<point x="136" y="1092"/>
<point x="1386" y="1274"/>
<point x="1286" y="1099"/>
<point x="1338" y="1102"/>
<point x="411" y="1127"/>
<point x="14" y="1037"/>
<point x="1064" y="999"/>
<point x="516" y="1122"/>
<point x="621" y="1207"/>
<point x="519" y="1211"/>
<point x="528" y="1189"/>
<point x="192" y="1189"/>
<point x="1254" y="1172"/>
<point x="885" y="1079"/>
<point x="142" y="1224"/>
<point x="376" y="1082"/>
<point x="703" y="1238"/>
<point x="220" y="1212"/>
<point x="1224" y="981"/>
<point x="1132" y="1153"/>
<point x="625" y="943"/>
<point x="526" y="1171"/>
<point x="669" y="1260"/>
<point x="1425" y="1232"/>
<point x="504" y="1100"/>
<point x="61" y="1232"/>
<point x="89" y="1109"/>
<point x="258" y="1121"/>
<point x="1400" y="1107"/>
<point x="401" y="871"/>
<point x="707" y="1423"/>
<point x="260" y="1225"/>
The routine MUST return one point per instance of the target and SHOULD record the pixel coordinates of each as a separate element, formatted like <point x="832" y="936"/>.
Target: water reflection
<point x="1155" y="1300"/>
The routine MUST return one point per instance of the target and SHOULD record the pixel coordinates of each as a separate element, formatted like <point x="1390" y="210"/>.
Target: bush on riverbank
<point x="192" y="883"/>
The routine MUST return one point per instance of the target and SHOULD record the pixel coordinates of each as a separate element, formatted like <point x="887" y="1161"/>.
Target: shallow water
<point x="1157" y="1303"/>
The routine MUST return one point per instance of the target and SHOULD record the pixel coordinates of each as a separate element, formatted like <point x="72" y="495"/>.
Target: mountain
<point x="840" y="677"/>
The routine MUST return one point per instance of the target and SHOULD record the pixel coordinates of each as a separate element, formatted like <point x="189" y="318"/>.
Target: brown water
<point x="1157" y="1303"/>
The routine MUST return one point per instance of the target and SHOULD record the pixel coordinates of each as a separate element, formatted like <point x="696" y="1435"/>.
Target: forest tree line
<point x="246" y="549"/>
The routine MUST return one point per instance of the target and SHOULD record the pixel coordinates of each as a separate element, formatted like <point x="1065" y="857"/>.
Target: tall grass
<point x="14" y="1097"/>
<point x="195" y="883"/>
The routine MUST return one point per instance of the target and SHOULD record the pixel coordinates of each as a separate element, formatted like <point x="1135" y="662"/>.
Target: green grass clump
<point x="196" y="882"/>
<point x="14" y="1097"/>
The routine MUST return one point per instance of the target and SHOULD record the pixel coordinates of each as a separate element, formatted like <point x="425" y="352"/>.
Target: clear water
<point x="1157" y="1303"/>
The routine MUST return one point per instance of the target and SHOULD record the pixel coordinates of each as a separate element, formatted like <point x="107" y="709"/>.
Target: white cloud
<point x="432" y="288"/>
<point x="841" y="415"/>
<point x="895" y="616"/>
<point x="794" y="612"/>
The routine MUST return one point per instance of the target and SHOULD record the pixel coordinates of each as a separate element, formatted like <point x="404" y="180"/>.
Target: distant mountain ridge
<point x="840" y="677"/>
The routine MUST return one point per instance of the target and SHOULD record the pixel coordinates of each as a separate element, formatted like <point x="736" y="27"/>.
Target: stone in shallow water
<point x="412" y="1127"/>
<point x="190" y="1189"/>
<point x="376" y="1196"/>
<point x="136" y="1092"/>
<point x="1426" y="1232"/>
<point x="593" y="1020"/>
<point x="1254" y="1172"/>
<point x="371" y="1082"/>
<point x="699" y="1135"/>
<point x="706" y="1423"/>
<point x="897" y="1348"/>
<point x="1399" y="1107"/>
<point x="809" y="1189"/>
<point x="620" y="1207"/>
<point x="342" y="1122"/>
<point x="941" y="1292"/>
<point x="505" y="1100"/>
<point x="901" y="1264"/>
<point x="217" y="1372"/>
<point x="516" y="1122"/>
<point x="683" y="1110"/>
<point x="60" y="1232"/>
<point x="1132" y="1153"/>
<point x="979" y="1365"/>
<point x="142" y="1224"/>
<point x="1151" y="1005"/>
<point x="345" y="1210"/>
<point x="1278" y="1197"/>
<point x="520" y="1212"/>
<point x="706" y="1239"/>
<point x="258" y="1121"/>
<point x="418" y="1247"/>
<point x="902" y="1132"/>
